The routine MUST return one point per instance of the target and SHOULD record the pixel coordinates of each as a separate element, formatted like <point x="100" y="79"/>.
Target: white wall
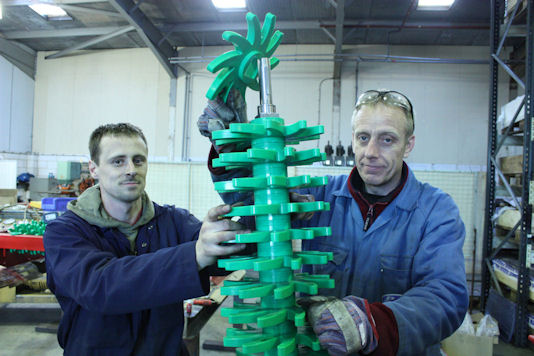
<point x="450" y="100"/>
<point x="73" y="95"/>
<point x="16" y="108"/>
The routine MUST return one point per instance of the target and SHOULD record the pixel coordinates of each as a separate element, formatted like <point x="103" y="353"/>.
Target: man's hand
<point x="213" y="233"/>
<point x="301" y="198"/>
<point x="218" y="115"/>
<point x="343" y="326"/>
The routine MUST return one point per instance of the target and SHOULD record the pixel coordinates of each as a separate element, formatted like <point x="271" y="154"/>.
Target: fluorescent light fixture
<point x="0" y="11"/>
<point x="230" y="5"/>
<point x="50" y="12"/>
<point x="434" y="5"/>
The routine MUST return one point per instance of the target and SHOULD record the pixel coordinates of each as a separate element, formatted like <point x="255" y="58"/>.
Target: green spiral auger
<point x="275" y="324"/>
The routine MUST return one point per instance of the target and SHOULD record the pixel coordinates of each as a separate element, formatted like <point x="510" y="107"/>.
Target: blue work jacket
<point x="410" y="259"/>
<point x="116" y="303"/>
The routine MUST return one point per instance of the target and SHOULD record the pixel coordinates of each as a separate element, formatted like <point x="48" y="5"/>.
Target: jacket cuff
<point x="199" y="284"/>
<point x="386" y="327"/>
<point x="215" y="171"/>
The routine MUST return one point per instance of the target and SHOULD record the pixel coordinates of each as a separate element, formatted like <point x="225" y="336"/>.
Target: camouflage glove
<point x="343" y="326"/>
<point x="218" y="115"/>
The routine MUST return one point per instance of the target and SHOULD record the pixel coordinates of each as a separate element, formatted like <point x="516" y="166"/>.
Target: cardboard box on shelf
<point x="8" y="196"/>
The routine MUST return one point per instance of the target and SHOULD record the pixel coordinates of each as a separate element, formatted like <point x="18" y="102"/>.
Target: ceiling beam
<point x="333" y="3"/>
<point x="51" y="2"/>
<point x="331" y="36"/>
<point x="150" y="34"/>
<point x="74" y="8"/>
<point x="69" y="32"/>
<point x="19" y="55"/>
<point x="317" y="25"/>
<point x="210" y="26"/>
<point x="91" y="42"/>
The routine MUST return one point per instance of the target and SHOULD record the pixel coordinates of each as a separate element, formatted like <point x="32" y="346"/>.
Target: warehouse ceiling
<point x="167" y="25"/>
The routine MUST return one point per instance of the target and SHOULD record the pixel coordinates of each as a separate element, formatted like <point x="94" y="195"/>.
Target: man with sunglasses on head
<point x="398" y="262"/>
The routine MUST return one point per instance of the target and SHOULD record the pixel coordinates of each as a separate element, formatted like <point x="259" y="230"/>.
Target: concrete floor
<point x="23" y="340"/>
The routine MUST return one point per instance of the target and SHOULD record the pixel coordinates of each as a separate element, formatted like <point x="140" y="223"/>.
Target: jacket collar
<point x="407" y="198"/>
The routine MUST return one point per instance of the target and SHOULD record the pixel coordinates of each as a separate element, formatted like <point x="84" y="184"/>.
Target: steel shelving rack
<point x="495" y="143"/>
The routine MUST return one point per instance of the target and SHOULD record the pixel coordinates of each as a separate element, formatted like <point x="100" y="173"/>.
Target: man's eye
<point x="388" y="140"/>
<point x="363" y="138"/>
<point x="117" y="162"/>
<point x="139" y="161"/>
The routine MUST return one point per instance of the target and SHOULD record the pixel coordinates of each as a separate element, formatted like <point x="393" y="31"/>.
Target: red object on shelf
<point x="202" y="301"/>
<point x="21" y="242"/>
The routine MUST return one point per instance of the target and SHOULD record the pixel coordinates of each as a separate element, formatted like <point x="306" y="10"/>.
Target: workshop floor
<point x="23" y="340"/>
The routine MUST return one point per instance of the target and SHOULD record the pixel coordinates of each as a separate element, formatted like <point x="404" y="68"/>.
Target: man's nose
<point x="131" y="168"/>
<point x="372" y="148"/>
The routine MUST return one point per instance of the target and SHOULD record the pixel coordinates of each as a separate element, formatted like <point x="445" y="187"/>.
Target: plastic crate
<point x="48" y="204"/>
<point x="55" y="203"/>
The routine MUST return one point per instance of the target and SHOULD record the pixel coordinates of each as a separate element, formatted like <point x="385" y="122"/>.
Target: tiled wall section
<point x="189" y="186"/>
<point x="40" y="165"/>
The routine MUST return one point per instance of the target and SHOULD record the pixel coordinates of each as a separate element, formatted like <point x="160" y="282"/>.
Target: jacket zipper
<point x="369" y="217"/>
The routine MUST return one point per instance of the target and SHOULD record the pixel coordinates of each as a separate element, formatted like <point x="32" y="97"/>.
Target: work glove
<point x="301" y="198"/>
<point x="218" y="115"/>
<point x="343" y="326"/>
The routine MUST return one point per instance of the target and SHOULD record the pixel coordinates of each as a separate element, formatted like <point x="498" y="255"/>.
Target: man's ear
<point x="409" y="146"/>
<point x="93" y="169"/>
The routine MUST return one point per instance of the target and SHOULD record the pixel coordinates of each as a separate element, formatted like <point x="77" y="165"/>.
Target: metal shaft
<point x="266" y="103"/>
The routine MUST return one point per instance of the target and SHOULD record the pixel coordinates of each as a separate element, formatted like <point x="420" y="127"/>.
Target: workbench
<point x="21" y="242"/>
<point x="214" y="331"/>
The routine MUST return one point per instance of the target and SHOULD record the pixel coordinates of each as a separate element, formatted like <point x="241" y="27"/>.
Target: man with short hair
<point x="121" y="265"/>
<point x="398" y="265"/>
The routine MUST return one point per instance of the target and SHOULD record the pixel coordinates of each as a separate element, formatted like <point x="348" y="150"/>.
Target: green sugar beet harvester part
<point x="275" y="323"/>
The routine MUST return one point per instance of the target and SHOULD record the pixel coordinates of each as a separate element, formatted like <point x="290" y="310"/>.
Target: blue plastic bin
<point x="55" y="203"/>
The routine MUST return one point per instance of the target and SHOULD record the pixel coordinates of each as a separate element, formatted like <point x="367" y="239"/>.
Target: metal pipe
<point x="399" y="29"/>
<point x="356" y="87"/>
<point x="410" y="26"/>
<point x="172" y="119"/>
<point x="319" y="108"/>
<point x="351" y="57"/>
<point x="320" y="55"/>
<point x="199" y="27"/>
<point x="185" y="133"/>
<point x="266" y="103"/>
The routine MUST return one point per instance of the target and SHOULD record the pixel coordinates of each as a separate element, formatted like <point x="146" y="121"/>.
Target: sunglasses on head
<point x="389" y="97"/>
